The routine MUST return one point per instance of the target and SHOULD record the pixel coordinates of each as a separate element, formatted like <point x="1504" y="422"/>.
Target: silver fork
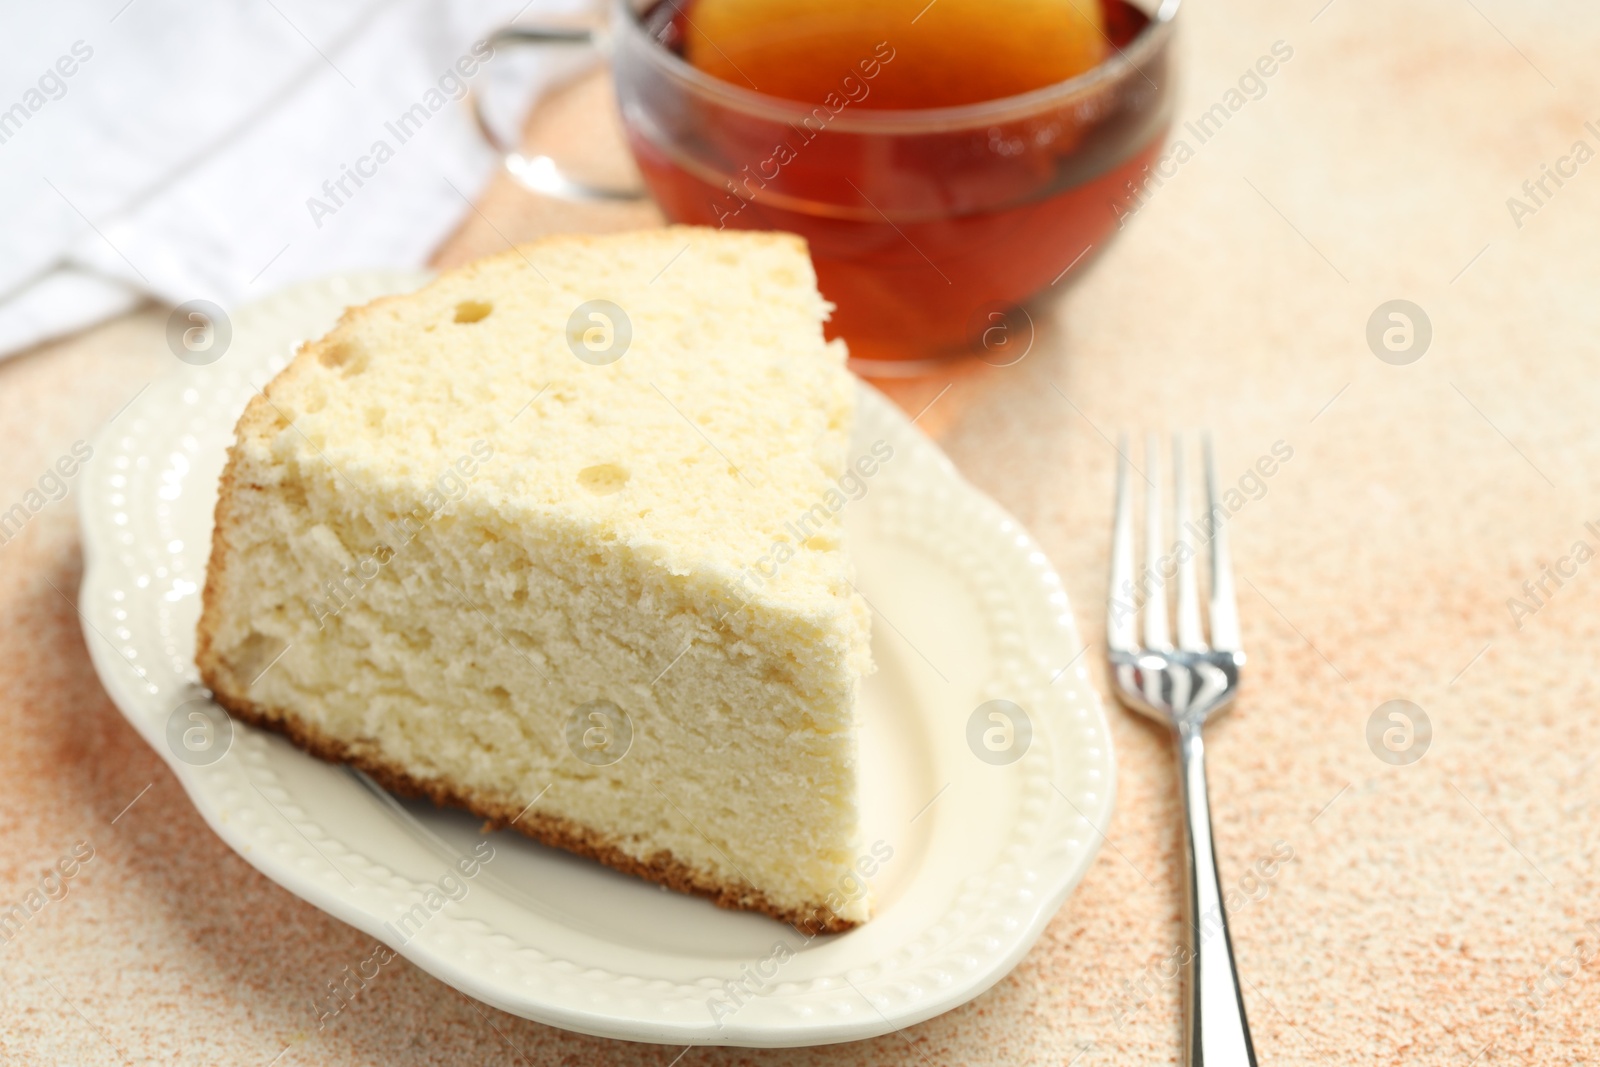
<point x="1182" y="687"/>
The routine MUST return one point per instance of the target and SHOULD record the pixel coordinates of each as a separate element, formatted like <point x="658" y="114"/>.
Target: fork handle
<point x="1216" y="1033"/>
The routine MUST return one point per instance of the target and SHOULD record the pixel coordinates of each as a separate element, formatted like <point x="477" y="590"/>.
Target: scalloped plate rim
<point x="100" y="569"/>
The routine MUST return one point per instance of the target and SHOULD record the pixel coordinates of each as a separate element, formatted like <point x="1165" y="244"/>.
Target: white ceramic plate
<point x="966" y="611"/>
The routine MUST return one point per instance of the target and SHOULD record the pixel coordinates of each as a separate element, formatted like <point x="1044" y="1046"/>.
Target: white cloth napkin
<point x="205" y="151"/>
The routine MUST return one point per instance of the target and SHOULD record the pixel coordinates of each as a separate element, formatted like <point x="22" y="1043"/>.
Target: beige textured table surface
<point x="1423" y="902"/>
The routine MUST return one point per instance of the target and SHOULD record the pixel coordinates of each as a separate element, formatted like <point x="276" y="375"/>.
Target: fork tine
<point x="1121" y="614"/>
<point x="1156" y="634"/>
<point x="1191" y="637"/>
<point x="1224" y="602"/>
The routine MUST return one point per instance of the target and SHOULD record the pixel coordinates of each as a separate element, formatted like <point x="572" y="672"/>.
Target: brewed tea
<point x="946" y="53"/>
<point x="921" y="221"/>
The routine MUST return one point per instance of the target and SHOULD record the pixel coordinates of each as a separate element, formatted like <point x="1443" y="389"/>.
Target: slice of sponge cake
<point x="543" y="540"/>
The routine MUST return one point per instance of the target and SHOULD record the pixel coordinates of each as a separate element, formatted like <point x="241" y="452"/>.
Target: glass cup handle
<point x="540" y="173"/>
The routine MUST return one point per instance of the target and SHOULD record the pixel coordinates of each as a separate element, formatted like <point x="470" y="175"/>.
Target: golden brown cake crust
<point x="662" y="868"/>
